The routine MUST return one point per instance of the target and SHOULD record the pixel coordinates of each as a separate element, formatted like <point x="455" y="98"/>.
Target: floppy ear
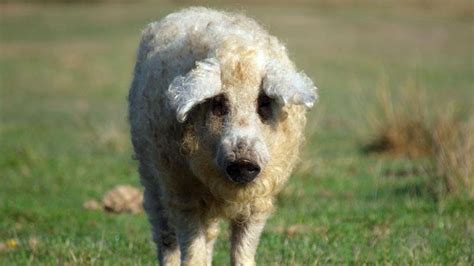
<point x="201" y="83"/>
<point x="287" y="86"/>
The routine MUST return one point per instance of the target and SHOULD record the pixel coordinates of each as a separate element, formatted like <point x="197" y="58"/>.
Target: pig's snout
<point x="242" y="171"/>
<point x="242" y="159"/>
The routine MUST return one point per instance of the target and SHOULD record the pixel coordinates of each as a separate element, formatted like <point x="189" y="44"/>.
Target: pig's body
<point x="217" y="113"/>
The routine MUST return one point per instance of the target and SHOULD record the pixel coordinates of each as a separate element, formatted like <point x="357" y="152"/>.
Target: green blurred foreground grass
<point x="65" y="72"/>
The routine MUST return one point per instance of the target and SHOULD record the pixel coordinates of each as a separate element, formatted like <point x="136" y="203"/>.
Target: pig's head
<point x="235" y="107"/>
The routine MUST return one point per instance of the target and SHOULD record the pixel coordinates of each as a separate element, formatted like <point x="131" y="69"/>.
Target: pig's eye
<point x="219" y="105"/>
<point x="264" y="107"/>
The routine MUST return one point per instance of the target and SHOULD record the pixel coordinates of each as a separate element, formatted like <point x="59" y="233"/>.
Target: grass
<point x="407" y="125"/>
<point x="65" y="71"/>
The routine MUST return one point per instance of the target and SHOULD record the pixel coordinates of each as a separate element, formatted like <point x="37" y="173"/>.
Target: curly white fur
<point x="288" y="87"/>
<point x="195" y="107"/>
<point x="203" y="82"/>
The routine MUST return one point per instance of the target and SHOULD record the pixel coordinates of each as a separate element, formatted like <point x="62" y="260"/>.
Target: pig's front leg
<point x="244" y="239"/>
<point x="191" y="238"/>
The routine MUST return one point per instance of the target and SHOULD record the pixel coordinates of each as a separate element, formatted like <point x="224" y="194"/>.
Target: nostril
<point x="252" y="169"/>
<point x="233" y="169"/>
<point x="242" y="171"/>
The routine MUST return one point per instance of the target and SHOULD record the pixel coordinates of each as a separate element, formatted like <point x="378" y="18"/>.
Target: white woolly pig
<point x="217" y="112"/>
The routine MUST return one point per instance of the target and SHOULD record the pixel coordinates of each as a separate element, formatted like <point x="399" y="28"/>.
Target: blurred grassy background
<point x="65" y="71"/>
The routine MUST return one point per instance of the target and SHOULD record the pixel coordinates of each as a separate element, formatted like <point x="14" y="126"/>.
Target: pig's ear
<point x="288" y="86"/>
<point x="201" y="83"/>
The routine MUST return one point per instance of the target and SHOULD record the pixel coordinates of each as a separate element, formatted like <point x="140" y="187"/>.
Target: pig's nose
<point x="242" y="171"/>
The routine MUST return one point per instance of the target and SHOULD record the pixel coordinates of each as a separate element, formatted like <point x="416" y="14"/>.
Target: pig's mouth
<point x="242" y="171"/>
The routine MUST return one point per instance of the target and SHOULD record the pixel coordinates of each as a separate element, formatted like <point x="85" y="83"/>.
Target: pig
<point x="217" y="112"/>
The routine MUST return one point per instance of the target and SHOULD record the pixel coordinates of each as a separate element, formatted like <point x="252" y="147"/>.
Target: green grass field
<point x="65" y="71"/>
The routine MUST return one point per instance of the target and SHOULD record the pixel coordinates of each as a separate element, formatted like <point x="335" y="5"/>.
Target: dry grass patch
<point x="408" y="125"/>
<point x="399" y="124"/>
<point x="453" y="151"/>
